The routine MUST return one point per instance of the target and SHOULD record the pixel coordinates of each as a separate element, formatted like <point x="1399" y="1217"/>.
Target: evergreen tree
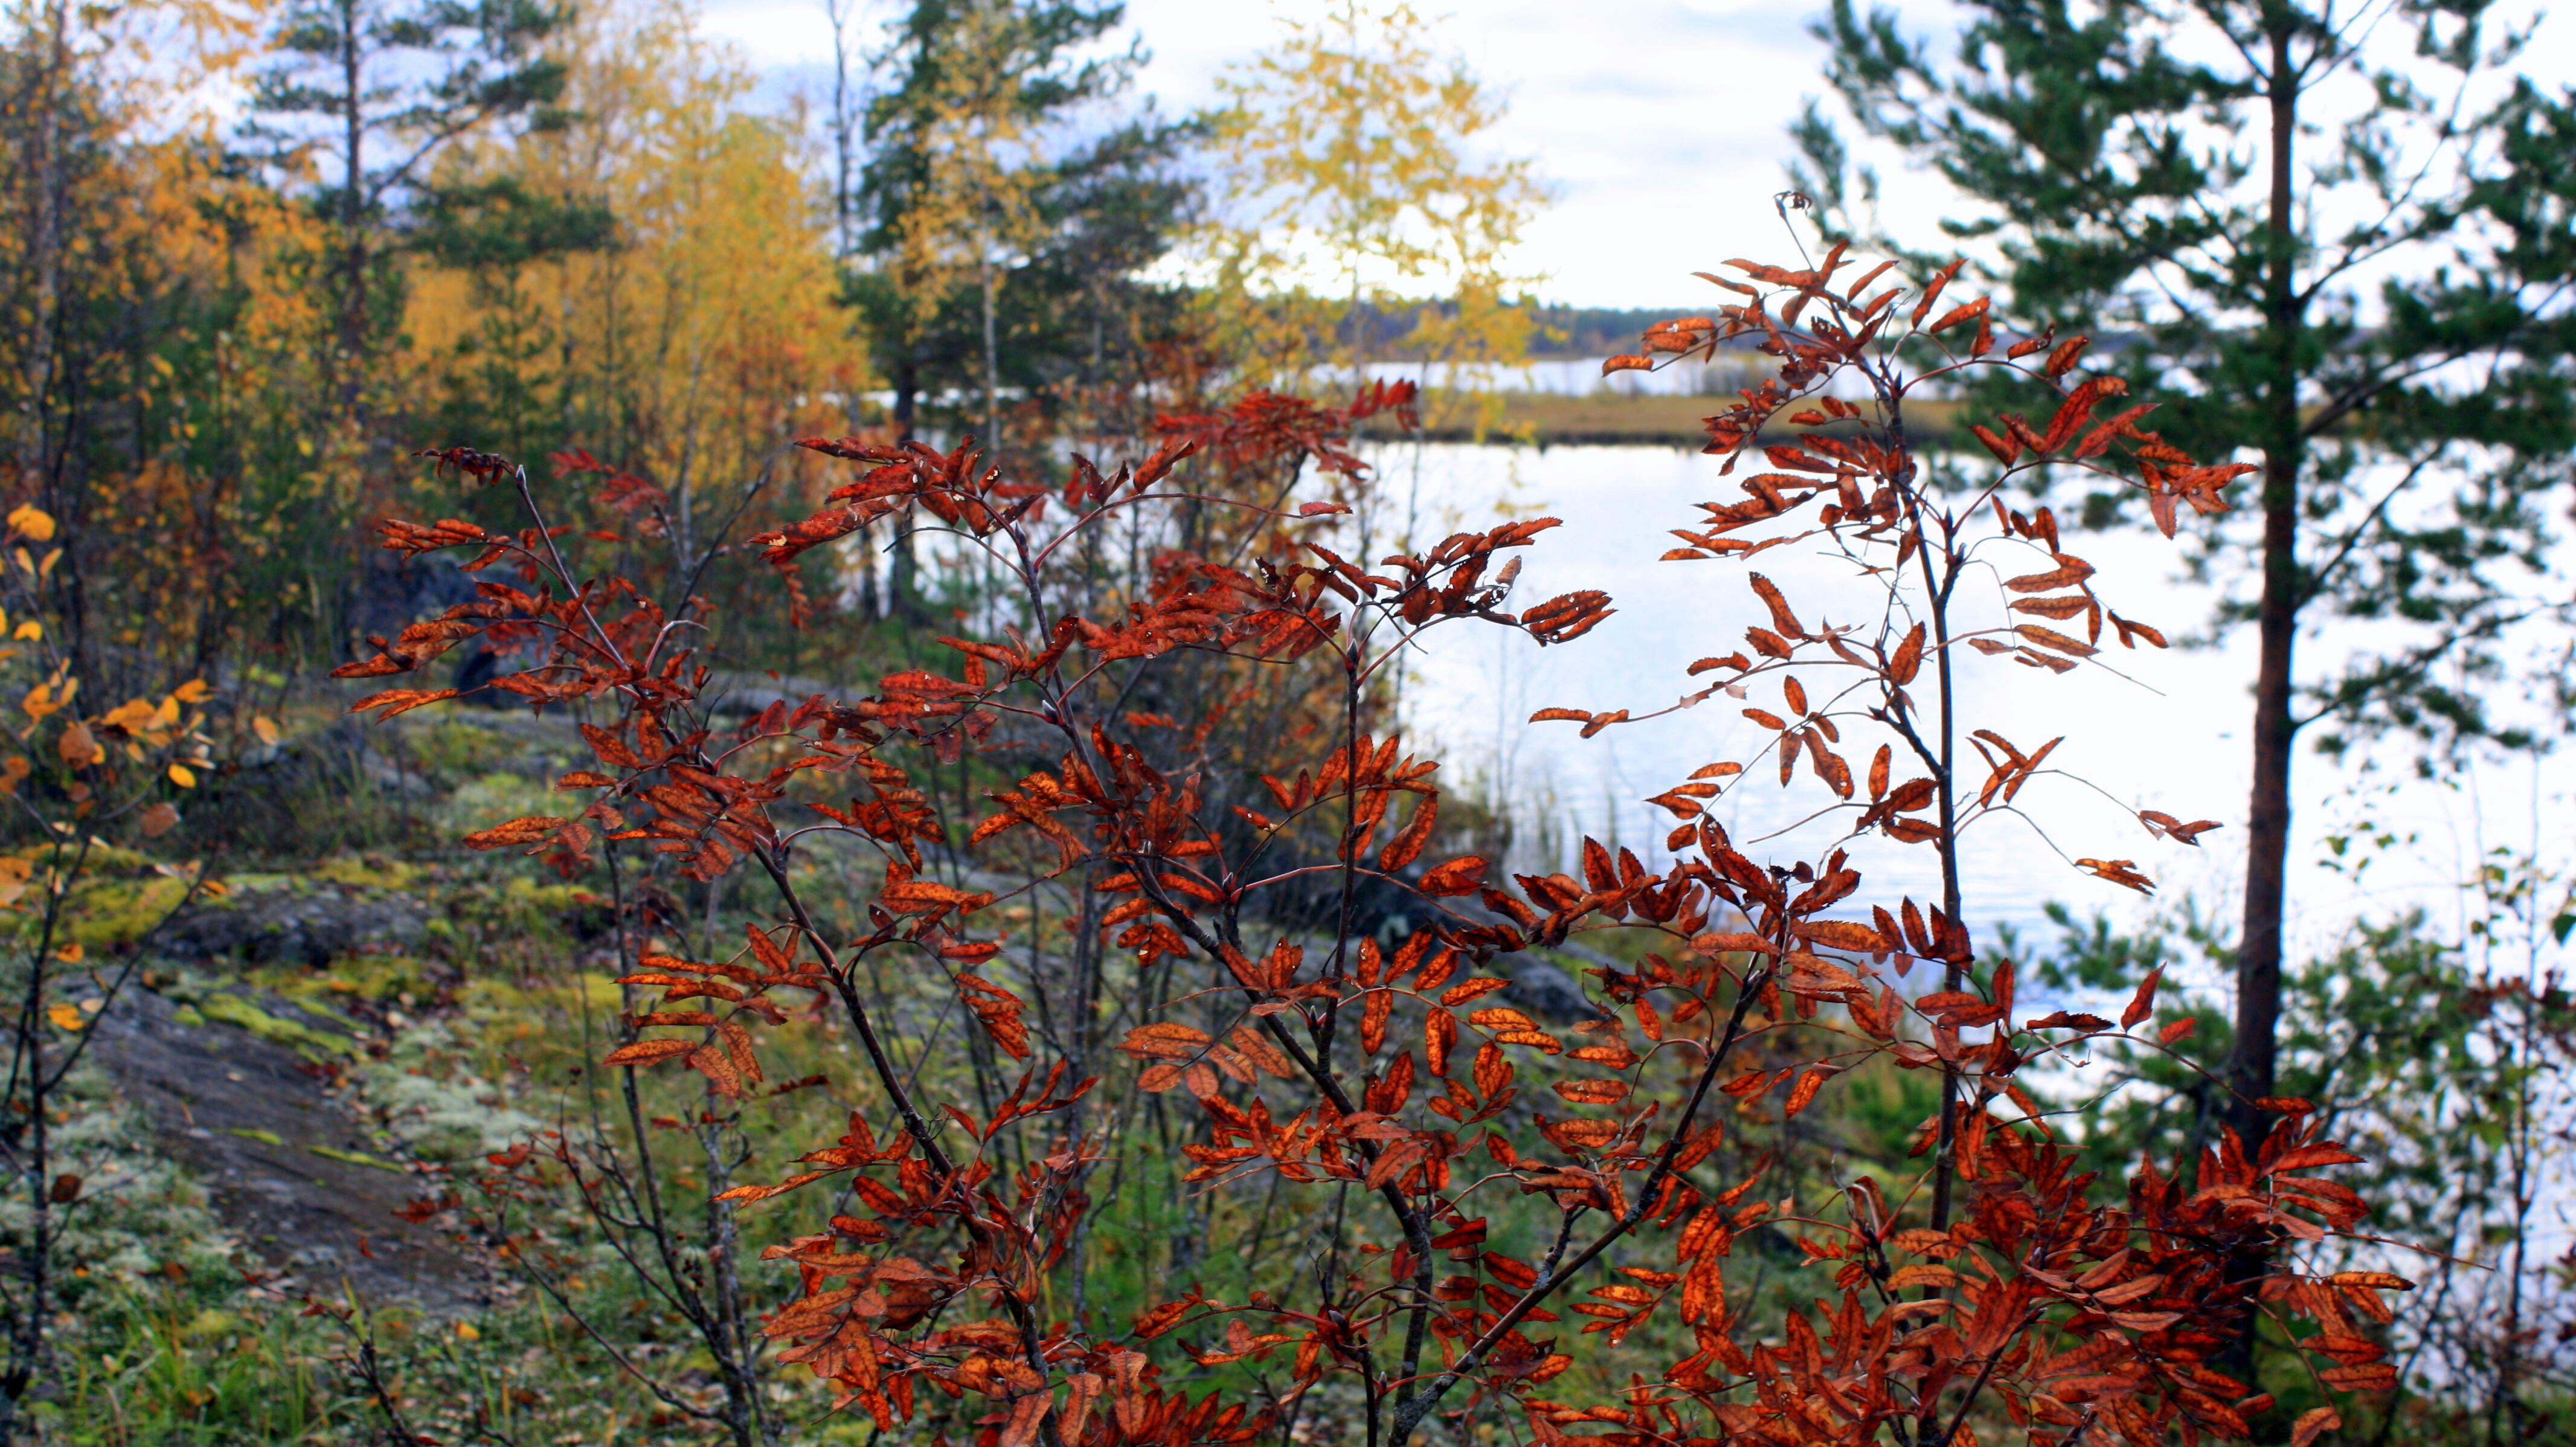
<point x="381" y="87"/>
<point x="998" y="246"/>
<point x="2334" y="254"/>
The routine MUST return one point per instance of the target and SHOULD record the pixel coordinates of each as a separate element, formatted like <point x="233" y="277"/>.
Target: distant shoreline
<point x="1612" y="419"/>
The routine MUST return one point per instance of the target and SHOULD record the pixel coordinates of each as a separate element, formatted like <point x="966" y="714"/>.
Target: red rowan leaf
<point x="2077" y="407"/>
<point x="2100" y="437"/>
<point x="2143" y="1003"/>
<point x="1408" y="843"/>
<point x="1719" y="942"/>
<point x="2130" y="631"/>
<point x="401" y="700"/>
<point x="2312" y="1424"/>
<point x="2051" y="638"/>
<point x="1829" y="766"/>
<point x="2177" y="1030"/>
<point x="649" y="1052"/>
<point x="2166" y="826"/>
<point x="1154" y="1321"/>
<point x="2374" y="1377"/>
<point x="1568" y="616"/>
<point x="2118" y="871"/>
<point x="1164" y="1040"/>
<point x="2068" y="572"/>
<point x="1784" y="621"/>
<point x="1932" y="290"/>
<point x="1598" y="872"/>
<point x="2312" y="1156"/>
<point x="1462" y="875"/>
<point x="1439" y="1034"/>
<point x="1842" y="934"/>
<point x="1751" y="1083"/>
<point x="1627" y="362"/>
<point x="2066" y="607"/>
<point x="1971" y="311"/>
<point x="1916" y="935"/>
<point x="527" y="830"/>
<point x="1477" y="988"/>
<point x="1909" y="658"/>
<point x="1805" y="1091"/>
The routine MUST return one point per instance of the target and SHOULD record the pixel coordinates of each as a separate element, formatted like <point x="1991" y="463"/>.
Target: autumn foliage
<point x="1535" y="1221"/>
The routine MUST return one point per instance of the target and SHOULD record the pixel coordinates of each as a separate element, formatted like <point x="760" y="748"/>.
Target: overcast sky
<point x="1660" y="123"/>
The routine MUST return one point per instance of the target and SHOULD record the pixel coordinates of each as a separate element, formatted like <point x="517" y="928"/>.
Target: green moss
<point x="234" y="1010"/>
<point x="188" y="1015"/>
<point x="524" y="909"/>
<point x="264" y="883"/>
<point x="101" y="859"/>
<point x="370" y="871"/>
<point x="371" y="977"/>
<point x="357" y="1158"/>
<point x="111" y="914"/>
<point x="253" y="1133"/>
<point x="485" y="801"/>
<point x="487" y="998"/>
<point x="361" y="977"/>
<point x="455" y="747"/>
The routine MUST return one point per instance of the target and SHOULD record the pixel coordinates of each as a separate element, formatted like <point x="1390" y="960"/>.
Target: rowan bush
<point x="1199" y="784"/>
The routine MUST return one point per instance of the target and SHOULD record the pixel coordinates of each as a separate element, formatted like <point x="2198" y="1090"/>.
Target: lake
<point x="2170" y="735"/>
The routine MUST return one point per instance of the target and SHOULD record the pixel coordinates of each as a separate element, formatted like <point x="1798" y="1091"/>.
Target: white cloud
<point x="1662" y="123"/>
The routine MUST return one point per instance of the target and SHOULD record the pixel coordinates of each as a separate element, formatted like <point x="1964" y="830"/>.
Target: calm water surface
<point x="2168" y="735"/>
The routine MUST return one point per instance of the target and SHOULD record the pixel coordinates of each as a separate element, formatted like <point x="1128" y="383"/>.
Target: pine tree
<point x="969" y="191"/>
<point x="2333" y="254"/>
<point x="381" y="87"/>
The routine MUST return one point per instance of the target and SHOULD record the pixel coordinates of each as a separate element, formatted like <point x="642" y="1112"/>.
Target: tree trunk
<point x="903" y="574"/>
<point x="353" y="242"/>
<point x="41" y="156"/>
<point x="2251" y="1071"/>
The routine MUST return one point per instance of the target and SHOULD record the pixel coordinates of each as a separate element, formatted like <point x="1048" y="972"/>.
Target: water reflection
<point x="2168" y="735"/>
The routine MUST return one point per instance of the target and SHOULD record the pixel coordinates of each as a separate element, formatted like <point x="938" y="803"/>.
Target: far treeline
<point x="880" y="889"/>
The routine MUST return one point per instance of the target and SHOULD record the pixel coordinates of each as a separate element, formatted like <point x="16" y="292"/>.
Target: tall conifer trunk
<point x="2250" y="1070"/>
